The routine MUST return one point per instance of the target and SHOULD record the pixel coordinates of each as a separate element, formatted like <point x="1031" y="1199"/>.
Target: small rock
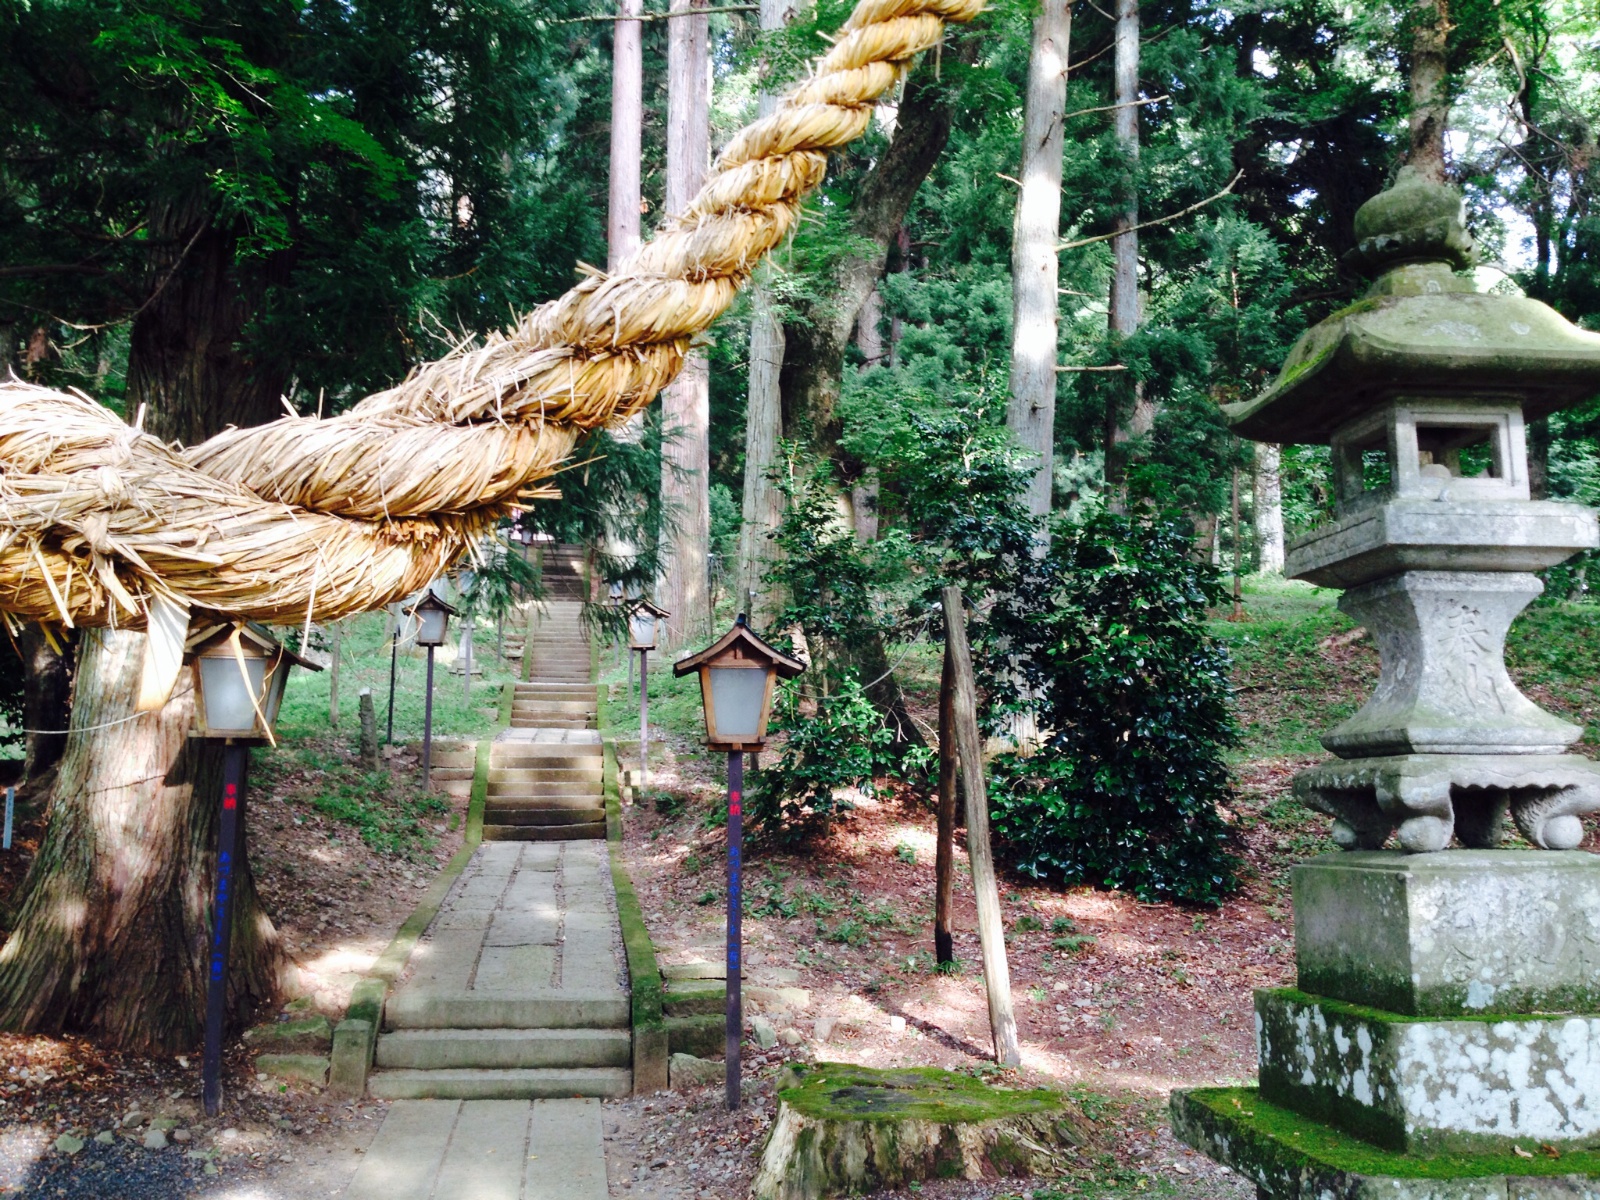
<point x="790" y="1036"/>
<point x="825" y="1027"/>
<point x="302" y="1068"/>
<point x="897" y="1024"/>
<point x="181" y="1135"/>
<point x="105" y="1137"/>
<point x="133" y="1118"/>
<point x="766" y="1036"/>
<point x="155" y="1139"/>
<point x="68" y="1145"/>
<point x="165" y="1123"/>
<point x="685" y="1070"/>
<point x="283" y="1123"/>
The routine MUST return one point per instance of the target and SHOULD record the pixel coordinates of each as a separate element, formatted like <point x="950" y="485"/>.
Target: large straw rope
<point x="307" y="518"/>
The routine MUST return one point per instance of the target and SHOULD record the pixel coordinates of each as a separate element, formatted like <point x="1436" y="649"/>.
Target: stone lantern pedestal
<point x="1444" y="1040"/>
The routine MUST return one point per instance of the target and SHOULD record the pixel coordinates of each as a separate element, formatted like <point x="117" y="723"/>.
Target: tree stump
<point x="847" y="1130"/>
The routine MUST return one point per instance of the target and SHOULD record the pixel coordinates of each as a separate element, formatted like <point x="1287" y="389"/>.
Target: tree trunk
<point x="1035" y="264"/>
<point x="46" y="700"/>
<point x="1430" y="89"/>
<point x="1131" y="415"/>
<point x="113" y="922"/>
<point x="627" y="133"/>
<point x="686" y="402"/>
<point x="113" y="916"/>
<point x="763" y="424"/>
<point x="815" y="341"/>
<point x="335" y="640"/>
<point x="188" y="366"/>
<point x="1267" y="494"/>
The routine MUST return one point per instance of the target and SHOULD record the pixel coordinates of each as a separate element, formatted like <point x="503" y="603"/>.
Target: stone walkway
<point x="486" y="1150"/>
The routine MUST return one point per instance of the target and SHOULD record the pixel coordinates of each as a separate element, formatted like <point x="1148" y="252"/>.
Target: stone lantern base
<point x="1444" y="1042"/>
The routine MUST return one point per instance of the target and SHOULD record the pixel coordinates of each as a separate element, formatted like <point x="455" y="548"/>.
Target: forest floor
<point x="1117" y="1001"/>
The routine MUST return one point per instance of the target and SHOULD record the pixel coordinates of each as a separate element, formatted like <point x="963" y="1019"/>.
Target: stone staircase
<point x="516" y="993"/>
<point x="545" y="791"/>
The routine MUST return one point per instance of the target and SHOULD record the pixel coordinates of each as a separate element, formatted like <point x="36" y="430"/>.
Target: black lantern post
<point x="737" y="674"/>
<point x="239" y="677"/>
<point x="433" y="620"/>
<point x="644" y="622"/>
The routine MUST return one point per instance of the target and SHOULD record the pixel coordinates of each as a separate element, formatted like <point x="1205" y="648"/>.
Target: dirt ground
<point x="1116" y="1000"/>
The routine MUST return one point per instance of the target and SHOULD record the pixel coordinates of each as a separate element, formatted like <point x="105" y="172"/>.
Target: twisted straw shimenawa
<point x="306" y="518"/>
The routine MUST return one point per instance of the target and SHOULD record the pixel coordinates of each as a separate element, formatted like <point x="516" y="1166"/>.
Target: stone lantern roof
<point x="1422" y="328"/>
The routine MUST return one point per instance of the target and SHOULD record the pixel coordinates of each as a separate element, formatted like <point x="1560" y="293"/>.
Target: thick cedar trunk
<point x="763" y="426"/>
<point x="627" y="133"/>
<point x="815" y="342"/>
<point x="113" y="918"/>
<point x="112" y="921"/>
<point x="686" y="402"/>
<point x="1035" y="266"/>
<point x="1267" y="499"/>
<point x="1131" y="415"/>
<point x="46" y="699"/>
<point x="1430" y="88"/>
<point x="187" y="364"/>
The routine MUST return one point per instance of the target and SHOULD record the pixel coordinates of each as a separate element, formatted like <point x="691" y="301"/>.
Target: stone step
<point x="502" y="1049"/>
<point x="595" y="831"/>
<point x="539" y="756"/>
<point x="580" y="705"/>
<point x="444" y="774"/>
<point x="529" y="1008"/>
<point x="544" y="818"/>
<point x="536" y="687"/>
<point x="549" y="723"/>
<point x="591" y="768"/>
<point x="526" y="1084"/>
<point x="545" y="789"/>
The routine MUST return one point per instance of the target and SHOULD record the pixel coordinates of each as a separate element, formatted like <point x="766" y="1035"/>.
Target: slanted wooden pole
<point x="991" y="928"/>
<point x="944" y="856"/>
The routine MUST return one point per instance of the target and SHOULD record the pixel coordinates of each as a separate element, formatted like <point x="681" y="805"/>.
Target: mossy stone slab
<point x="303" y="1035"/>
<point x="849" y="1130"/>
<point x="1428" y="1085"/>
<point x="1290" y="1157"/>
<point x="1454" y="933"/>
<point x="694" y="997"/>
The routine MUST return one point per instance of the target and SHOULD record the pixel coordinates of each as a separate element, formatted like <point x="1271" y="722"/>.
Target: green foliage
<point x="1133" y="701"/>
<point x="392" y="816"/>
<point x="840" y="745"/>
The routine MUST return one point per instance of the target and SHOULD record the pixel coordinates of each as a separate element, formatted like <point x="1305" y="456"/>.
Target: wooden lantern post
<point x="737" y="674"/>
<point x="239" y="677"/>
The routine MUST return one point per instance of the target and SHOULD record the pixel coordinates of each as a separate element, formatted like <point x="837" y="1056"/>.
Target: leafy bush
<point x="842" y="745"/>
<point x="1134" y="707"/>
<point x="392" y="817"/>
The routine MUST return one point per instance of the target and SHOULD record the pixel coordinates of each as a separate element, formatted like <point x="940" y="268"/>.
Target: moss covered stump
<point x="844" y="1130"/>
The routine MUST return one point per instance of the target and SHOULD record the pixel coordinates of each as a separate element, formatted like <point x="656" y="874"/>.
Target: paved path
<point x="486" y="1150"/>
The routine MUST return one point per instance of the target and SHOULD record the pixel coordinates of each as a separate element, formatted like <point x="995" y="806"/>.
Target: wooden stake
<point x="991" y="928"/>
<point x="944" y="848"/>
<point x="333" y="675"/>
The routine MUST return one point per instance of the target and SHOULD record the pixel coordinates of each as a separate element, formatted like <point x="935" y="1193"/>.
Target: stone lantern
<point x="1443" y="1041"/>
<point x="1422" y="389"/>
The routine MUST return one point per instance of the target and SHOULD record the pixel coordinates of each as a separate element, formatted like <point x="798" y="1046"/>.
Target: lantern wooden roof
<point x="641" y="604"/>
<point x="204" y="637"/>
<point x="433" y="600"/>
<point x="741" y="642"/>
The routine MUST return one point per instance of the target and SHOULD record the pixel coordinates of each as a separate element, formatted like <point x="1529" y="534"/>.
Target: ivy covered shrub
<point x="1134" y="713"/>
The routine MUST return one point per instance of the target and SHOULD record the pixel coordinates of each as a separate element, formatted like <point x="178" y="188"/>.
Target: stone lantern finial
<point x="1416" y="220"/>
